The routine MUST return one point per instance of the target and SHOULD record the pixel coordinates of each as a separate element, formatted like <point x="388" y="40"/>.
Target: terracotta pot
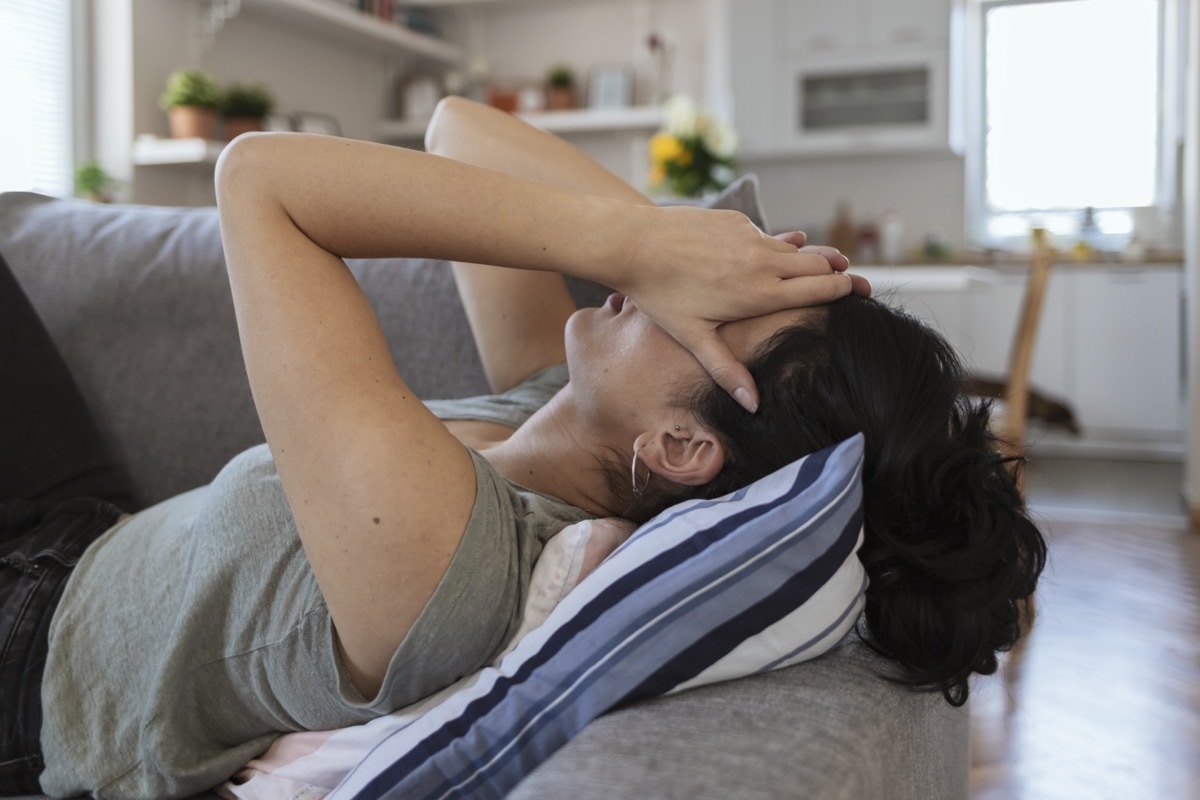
<point x="559" y="98"/>
<point x="192" y="122"/>
<point x="236" y="126"/>
<point x="503" y="98"/>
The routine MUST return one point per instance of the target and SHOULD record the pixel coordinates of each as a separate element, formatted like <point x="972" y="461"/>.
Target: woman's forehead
<point x="745" y="335"/>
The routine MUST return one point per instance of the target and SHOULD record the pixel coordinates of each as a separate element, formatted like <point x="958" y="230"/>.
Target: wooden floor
<point x="1106" y="704"/>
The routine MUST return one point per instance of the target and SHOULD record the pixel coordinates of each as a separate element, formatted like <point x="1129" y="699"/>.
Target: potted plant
<point x="560" y="88"/>
<point x="243" y="108"/>
<point x="93" y="183"/>
<point x="190" y="100"/>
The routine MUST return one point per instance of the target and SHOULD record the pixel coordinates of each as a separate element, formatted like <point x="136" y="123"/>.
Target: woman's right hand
<point x="692" y="269"/>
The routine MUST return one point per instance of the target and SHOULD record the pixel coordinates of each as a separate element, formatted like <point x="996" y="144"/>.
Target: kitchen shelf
<point x="584" y="120"/>
<point x="152" y="151"/>
<point x="461" y="3"/>
<point x="155" y="151"/>
<point x="333" y="20"/>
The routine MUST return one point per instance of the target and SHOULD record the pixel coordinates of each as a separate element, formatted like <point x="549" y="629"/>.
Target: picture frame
<point x="610" y="87"/>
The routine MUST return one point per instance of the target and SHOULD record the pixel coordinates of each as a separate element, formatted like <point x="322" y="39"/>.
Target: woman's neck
<point x="557" y="453"/>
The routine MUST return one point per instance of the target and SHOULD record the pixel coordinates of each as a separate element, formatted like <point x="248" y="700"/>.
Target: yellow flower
<point x="658" y="174"/>
<point x="664" y="147"/>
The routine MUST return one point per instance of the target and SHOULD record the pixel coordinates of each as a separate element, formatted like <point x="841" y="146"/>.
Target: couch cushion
<point x="829" y="729"/>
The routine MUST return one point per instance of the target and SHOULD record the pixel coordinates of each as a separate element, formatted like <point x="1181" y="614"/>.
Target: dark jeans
<point x="59" y="490"/>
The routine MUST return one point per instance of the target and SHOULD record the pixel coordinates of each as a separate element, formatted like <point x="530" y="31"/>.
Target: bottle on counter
<point x="842" y="233"/>
<point x="867" y="249"/>
<point x="891" y="238"/>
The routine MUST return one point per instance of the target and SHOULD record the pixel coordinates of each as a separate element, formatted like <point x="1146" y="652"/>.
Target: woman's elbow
<point x="450" y="115"/>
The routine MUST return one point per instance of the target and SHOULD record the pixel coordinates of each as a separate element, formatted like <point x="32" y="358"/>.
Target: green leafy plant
<point x="190" y="87"/>
<point x="693" y="153"/>
<point x="560" y="76"/>
<point x="246" y="101"/>
<point x="93" y="182"/>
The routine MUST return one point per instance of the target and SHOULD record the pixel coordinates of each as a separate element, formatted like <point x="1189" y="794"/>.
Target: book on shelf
<point x="395" y="11"/>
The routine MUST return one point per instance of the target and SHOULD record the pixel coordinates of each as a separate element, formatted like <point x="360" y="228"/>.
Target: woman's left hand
<point x="694" y="269"/>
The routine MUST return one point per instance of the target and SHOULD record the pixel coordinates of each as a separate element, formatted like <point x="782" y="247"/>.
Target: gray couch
<point x="136" y="299"/>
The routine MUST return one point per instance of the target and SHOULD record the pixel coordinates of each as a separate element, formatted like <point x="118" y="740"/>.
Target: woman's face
<point x="626" y="370"/>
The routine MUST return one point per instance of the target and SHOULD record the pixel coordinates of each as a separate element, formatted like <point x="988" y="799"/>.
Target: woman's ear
<point x="687" y="456"/>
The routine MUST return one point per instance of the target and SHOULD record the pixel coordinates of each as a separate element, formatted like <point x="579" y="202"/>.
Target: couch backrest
<point x="137" y="300"/>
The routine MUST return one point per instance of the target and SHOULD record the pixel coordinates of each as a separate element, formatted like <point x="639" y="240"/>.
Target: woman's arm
<point x="517" y="316"/>
<point x="380" y="490"/>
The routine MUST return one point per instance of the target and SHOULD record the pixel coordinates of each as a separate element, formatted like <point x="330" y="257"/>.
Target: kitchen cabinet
<point x="829" y="77"/>
<point x="1110" y="343"/>
<point x="812" y="27"/>
<point x="993" y="306"/>
<point x="888" y="22"/>
<point x="1127" y="348"/>
<point x="815" y="27"/>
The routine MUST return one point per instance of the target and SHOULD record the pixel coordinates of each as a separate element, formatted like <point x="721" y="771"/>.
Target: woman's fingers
<point x="861" y="286"/>
<point x="691" y="270"/>
<point x="795" y="238"/>
<point x="831" y="254"/>
<point x="729" y="373"/>
<point x="811" y="290"/>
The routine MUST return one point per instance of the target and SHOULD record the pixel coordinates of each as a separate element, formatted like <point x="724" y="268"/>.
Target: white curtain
<point x="36" y="142"/>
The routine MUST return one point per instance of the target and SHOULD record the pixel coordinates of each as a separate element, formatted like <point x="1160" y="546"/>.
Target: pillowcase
<point x="706" y="591"/>
<point x="307" y="765"/>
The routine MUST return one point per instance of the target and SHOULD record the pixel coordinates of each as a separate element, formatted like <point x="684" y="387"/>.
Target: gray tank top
<point x="193" y="633"/>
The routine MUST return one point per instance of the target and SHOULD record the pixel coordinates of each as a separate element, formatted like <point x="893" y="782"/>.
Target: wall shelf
<point x="332" y="20"/>
<point x="153" y="151"/>
<point x="584" y="120"/>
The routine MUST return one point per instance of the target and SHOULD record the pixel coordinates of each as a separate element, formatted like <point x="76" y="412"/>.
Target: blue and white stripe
<point x="709" y="590"/>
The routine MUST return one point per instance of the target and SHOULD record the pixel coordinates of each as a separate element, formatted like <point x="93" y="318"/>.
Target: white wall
<point x="520" y="40"/>
<point x="1191" y="217"/>
<point x="146" y="39"/>
<point x="926" y="190"/>
<point x="138" y="43"/>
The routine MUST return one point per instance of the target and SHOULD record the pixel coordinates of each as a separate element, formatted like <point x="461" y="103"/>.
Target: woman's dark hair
<point x="949" y="549"/>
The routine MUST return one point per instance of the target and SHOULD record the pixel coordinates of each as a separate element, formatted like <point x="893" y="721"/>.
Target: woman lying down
<point x="372" y="553"/>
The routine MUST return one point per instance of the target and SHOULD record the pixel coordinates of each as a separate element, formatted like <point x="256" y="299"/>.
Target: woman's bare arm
<point x="380" y="490"/>
<point x="517" y="316"/>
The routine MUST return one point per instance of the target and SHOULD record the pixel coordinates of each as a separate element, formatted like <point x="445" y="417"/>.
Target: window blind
<point x="36" y="138"/>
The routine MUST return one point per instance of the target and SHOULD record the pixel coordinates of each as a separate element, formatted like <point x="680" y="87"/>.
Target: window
<point x="1073" y="94"/>
<point x="36" y="142"/>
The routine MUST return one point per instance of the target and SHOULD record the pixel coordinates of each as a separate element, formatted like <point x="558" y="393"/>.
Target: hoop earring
<point x="637" y="490"/>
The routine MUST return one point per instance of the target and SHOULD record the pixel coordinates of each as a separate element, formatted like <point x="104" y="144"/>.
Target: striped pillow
<point x="706" y="591"/>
